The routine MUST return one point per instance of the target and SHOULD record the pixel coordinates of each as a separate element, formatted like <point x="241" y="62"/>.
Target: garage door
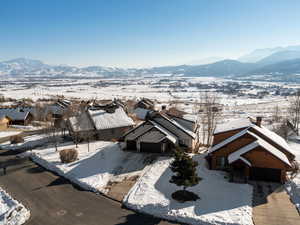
<point x="265" y="174"/>
<point x="150" y="147"/>
<point x="131" y="145"/>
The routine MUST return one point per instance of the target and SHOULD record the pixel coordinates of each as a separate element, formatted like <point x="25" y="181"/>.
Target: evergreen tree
<point x="184" y="168"/>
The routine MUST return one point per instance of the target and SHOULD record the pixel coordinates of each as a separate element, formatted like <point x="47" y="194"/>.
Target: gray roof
<point x="14" y="113"/>
<point x="105" y="120"/>
<point x="138" y="131"/>
<point x="177" y="125"/>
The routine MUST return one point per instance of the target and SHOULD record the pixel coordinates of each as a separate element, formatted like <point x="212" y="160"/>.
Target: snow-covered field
<point x="11" y="211"/>
<point x="104" y="162"/>
<point x="220" y="202"/>
<point x="8" y="133"/>
<point x="293" y="187"/>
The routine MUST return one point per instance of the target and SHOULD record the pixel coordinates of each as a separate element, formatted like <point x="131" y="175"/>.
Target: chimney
<point x="258" y="121"/>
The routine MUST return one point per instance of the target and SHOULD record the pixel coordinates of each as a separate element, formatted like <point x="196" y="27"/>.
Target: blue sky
<point x="130" y="33"/>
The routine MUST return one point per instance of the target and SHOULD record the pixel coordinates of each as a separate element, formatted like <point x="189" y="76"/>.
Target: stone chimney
<point x="258" y="121"/>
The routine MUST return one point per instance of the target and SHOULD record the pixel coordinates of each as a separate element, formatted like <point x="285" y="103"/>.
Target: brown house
<point x="245" y="147"/>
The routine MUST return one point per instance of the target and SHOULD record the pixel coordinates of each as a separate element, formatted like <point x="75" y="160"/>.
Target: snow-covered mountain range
<point x="276" y="61"/>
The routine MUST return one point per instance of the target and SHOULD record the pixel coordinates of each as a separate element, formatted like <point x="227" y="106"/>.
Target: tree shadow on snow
<point x="138" y="219"/>
<point x="212" y="192"/>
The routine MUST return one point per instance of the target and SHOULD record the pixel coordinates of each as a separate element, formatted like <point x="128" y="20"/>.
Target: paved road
<point x="54" y="201"/>
<point x="272" y="205"/>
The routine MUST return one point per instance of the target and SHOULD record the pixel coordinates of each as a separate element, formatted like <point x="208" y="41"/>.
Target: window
<point x="221" y="162"/>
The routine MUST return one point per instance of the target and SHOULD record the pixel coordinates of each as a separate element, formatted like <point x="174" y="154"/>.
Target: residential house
<point x="159" y="134"/>
<point x="145" y="103"/>
<point x="18" y="116"/>
<point x="246" y="147"/>
<point x="57" y="109"/>
<point x="100" y="122"/>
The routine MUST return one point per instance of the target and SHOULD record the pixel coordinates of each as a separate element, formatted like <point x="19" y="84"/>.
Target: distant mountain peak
<point x="259" y="54"/>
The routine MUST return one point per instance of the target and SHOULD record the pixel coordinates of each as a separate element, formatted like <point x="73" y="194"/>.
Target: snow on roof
<point x="141" y="113"/>
<point x="105" y="120"/>
<point x="259" y="142"/>
<point x="227" y="141"/>
<point x="245" y="161"/>
<point x="168" y="134"/>
<point x="14" y="113"/>
<point x="274" y="137"/>
<point x="233" y="125"/>
<point x="81" y="122"/>
<point x="190" y="117"/>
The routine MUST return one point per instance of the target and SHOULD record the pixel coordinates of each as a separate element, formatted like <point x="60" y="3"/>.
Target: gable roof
<point x="274" y="137"/>
<point x="14" y="113"/>
<point x="105" y="120"/>
<point x="228" y="140"/>
<point x="138" y="130"/>
<point x="177" y="125"/>
<point x="167" y="133"/>
<point x="262" y="143"/>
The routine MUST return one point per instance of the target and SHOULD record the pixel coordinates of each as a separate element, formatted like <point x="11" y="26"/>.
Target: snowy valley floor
<point x="11" y="211"/>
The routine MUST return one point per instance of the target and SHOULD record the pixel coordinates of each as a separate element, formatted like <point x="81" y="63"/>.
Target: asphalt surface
<point x="53" y="200"/>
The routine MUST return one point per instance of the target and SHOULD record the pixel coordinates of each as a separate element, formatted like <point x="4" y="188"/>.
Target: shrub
<point x="68" y="155"/>
<point x="16" y="139"/>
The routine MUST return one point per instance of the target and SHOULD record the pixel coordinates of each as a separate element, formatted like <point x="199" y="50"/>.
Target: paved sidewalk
<point x="272" y="205"/>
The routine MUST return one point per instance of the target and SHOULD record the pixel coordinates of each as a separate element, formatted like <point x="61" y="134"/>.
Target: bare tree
<point x="209" y="113"/>
<point x="277" y="115"/>
<point x="294" y="111"/>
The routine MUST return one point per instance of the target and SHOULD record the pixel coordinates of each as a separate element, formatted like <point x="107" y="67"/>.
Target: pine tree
<point x="184" y="168"/>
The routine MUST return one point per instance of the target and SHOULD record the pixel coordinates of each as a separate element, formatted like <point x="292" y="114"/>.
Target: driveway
<point x="272" y="205"/>
<point x="53" y="200"/>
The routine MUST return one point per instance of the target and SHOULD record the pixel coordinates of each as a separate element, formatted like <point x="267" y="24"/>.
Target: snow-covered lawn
<point x="220" y="202"/>
<point x="293" y="187"/>
<point x="11" y="211"/>
<point x="8" y="133"/>
<point x="105" y="162"/>
<point x="30" y="142"/>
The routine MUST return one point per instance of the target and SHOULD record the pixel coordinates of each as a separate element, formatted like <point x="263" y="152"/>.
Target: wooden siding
<point x="222" y="136"/>
<point x="263" y="159"/>
<point x="229" y="148"/>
